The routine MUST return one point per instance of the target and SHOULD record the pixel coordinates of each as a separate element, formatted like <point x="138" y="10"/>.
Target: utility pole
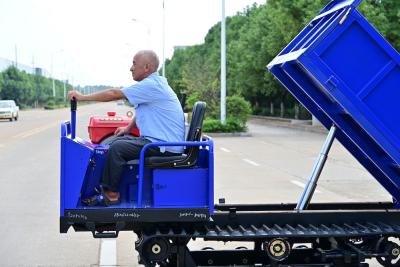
<point x="52" y="77"/>
<point x="16" y="56"/>
<point x="54" y="87"/>
<point x="223" y="65"/>
<point x="36" y="81"/>
<point x="65" y="90"/>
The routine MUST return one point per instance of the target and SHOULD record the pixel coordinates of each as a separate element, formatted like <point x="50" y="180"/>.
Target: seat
<point x="189" y="158"/>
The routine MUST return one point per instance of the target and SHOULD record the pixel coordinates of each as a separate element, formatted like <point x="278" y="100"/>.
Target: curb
<point x="238" y="134"/>
<point x="301" y="125"/>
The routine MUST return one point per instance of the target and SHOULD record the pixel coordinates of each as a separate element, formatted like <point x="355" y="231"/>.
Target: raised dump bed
<point x="346" y="74"/>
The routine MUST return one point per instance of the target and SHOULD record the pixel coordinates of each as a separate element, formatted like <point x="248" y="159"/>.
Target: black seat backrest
<point x="189" y="158"/>
<point x="196" y="124"/>
<point x="195" y="129"/>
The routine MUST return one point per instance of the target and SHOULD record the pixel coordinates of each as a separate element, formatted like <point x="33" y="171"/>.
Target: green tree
<point x="29" y="89"/>
<point x="17" y="85"/>
<point x="254" y="37"/>
<point x="384" y="15"/>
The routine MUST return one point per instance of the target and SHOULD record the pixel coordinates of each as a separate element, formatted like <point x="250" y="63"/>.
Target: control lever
<point x="74" y="105"/>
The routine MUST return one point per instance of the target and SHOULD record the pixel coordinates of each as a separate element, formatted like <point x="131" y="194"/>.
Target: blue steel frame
<point x="68" y="129"/>
<point x="207" y="142"/>
<point x="300" y="68"/>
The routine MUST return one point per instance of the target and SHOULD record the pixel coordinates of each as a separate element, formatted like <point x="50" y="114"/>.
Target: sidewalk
<point x="303" y="125"/>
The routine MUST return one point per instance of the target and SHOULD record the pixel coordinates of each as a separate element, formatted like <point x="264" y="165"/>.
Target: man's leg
<point x="121" y="151"/>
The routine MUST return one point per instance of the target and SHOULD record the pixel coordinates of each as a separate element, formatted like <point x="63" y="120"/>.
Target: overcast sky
<point x="92" y="41"/>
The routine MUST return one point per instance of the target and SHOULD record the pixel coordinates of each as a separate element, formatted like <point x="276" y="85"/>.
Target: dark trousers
<point x="123" y="149"/>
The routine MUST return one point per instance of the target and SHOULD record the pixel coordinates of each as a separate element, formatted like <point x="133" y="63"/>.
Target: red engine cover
<point x="101" y="127"/>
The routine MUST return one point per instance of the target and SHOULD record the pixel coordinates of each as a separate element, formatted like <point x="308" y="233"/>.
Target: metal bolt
<point x="156" y="249"/>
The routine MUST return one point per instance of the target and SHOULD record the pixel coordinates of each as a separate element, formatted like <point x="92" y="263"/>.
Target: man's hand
<point x="75" y="94"/>
<point x="120" y="131"/>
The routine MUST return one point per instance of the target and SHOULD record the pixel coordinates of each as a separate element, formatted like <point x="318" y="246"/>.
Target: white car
<point x="8" y="110"/>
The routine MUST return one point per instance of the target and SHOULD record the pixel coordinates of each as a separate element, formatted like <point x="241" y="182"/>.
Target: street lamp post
<point x="65" y="90"/>
<point x="16" y="56"/>
<point x="52" y="76"/>
<point x="223" y="66"/>
<point x="52" y="71"/>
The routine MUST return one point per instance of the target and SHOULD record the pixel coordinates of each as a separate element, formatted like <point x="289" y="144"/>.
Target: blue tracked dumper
<point x="344" y="72"/>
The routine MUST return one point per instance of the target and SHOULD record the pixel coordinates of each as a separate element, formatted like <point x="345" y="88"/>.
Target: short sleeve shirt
<point x="159" y="115"/>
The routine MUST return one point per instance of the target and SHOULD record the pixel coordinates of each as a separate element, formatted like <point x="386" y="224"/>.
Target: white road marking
<point x="108" y="252"/>
<point x="251" y="162"/>
<point x="225" y="149"/>
<point x="302" y="185"/>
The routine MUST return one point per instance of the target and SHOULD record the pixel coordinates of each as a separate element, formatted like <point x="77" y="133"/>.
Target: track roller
<point x="392" y="249"/>
<point x="277" y="249"/>
<point x="154" y="250"/>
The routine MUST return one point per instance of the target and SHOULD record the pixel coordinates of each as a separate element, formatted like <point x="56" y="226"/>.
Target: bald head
<point x="149" y="57"/>
<point x="145" y="62"/>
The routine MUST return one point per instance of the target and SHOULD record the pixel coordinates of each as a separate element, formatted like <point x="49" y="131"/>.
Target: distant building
<point x="42" y="72"/>
<point x="178" y="47"/>
<point x="5" y="63"/>
<point x="39" y="71"/>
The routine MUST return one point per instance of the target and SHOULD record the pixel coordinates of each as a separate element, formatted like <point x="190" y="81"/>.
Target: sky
<point x="92" y="42"/>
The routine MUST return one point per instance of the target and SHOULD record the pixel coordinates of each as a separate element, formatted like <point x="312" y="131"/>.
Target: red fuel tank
<point x="101" y="127"/>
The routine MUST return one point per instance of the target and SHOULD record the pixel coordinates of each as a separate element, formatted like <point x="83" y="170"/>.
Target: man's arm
<point x="127" y="129"/>
<point x="132" y="124"/>
<point x="102" y="96"/>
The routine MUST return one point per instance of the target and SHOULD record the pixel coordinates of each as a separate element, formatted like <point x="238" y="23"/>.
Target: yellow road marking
<point x="34" y="131"/>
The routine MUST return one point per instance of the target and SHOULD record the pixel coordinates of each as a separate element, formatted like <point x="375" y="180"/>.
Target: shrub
<point x="231" y="125"/>
<point x="238" y="108"/>
<point x="50" y="104"/>
<point x="60" y="100"/>
<point x="238" y="111"/>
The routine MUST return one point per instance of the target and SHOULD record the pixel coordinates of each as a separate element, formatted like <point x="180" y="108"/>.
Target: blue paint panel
<point x="384" y="102"/>
<point x="355" y="62"/>
<point x="343" y="71"/>
<point x="94" y="172"/>
<point x="181" y="188"/>
<point x="75" y="158"/>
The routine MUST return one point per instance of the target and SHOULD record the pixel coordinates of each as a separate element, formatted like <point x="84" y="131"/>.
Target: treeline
<point x="30" y="90"/>
<point x="254" y="37"/>
<point x="35" y="90"/>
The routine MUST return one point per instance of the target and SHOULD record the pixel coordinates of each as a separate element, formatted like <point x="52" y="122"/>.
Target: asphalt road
<point x="272" y="166"/>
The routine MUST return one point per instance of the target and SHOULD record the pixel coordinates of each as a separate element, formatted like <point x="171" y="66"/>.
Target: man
<point x="159" y="117"/>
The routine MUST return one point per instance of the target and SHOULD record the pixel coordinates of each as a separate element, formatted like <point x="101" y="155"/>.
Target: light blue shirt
<point x="159" y="114"/>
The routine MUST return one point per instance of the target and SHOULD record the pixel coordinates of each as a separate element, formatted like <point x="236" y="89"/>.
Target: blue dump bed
<point x="346" y="74"/>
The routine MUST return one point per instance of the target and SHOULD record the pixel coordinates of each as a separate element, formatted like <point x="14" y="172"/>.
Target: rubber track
<point x="240" y="232"/>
